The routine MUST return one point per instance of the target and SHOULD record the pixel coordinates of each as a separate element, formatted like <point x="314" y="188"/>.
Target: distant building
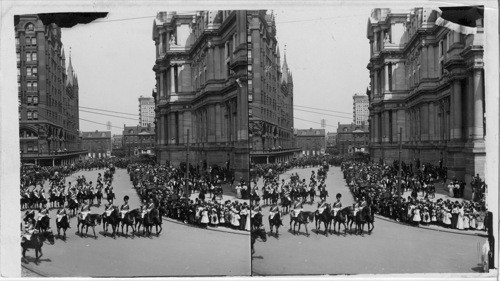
<point x="271" y="95"/>
<point x="360" y="109"/>
<point x="311" y="141"/>
<point x="138" y="140"/>
<point x="146" y="111"/>
<point x="97" y="144"/>
<point x="352" y="138"/>
<point x="117" y="146"/>
<point x="331" y="139"/>
<point x="48" y="95"/>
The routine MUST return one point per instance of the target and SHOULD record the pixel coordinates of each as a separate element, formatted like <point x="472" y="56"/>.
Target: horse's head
<point x="97" y="218"/>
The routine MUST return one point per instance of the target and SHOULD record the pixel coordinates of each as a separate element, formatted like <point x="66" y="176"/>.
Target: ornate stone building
<point x="48" y="95"/>
<point x="428" y="80"/>
<point x="270" y="93"/>
<point x="201" y="73"/>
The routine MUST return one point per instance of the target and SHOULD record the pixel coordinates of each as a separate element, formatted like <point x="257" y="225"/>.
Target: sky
<point x="327" y="52"/>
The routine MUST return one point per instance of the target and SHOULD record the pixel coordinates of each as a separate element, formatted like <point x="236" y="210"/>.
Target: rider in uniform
<point x="148" y="207"/>
<point x="109" y="209"/>
<point x="29" y="229"/>
<point x="124" y="208"/>
<point x="321" y="207"/>
<point x="297" y="208"/>
<point x="85" y="210"/>
<point x="337" y="204"/>
<point x="44" y="212"/>
<point x="273" y="211"/>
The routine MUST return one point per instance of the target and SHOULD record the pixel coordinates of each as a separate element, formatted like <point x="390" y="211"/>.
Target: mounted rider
<point x="273" y="211"/>
<point x="124" y="208"/>
<point x="85" y="210"/>
<point x="147" y="207"/>
<point x="29" y="229"/>
<point x="337" y="205"/>
<point x="60" y="214"/>
<point x="321" y="207"/>
<point x="297" y="208"/>
<point x="44" y="212"/>
<point x="109" y="209"/>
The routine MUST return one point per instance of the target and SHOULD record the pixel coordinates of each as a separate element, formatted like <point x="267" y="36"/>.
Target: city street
<point x="391" y="248"/>
<point x="180" y="250"/>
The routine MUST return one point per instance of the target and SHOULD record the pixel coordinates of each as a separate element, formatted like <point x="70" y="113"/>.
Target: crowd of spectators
<point x="377" y="183"/>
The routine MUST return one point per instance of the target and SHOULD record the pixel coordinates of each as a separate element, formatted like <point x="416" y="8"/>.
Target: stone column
<point x="469" y="110"/>
<point x="218" y="123"/>
<point x="431" y="67"/>
<point x="424" y="122"/>
<point x="375" y="82"/>
<point x="425" y="62"/>
<point x="386" y="77"/>
<point x="375" y="128"/>
<point x="172" y="79"/>
<point x="432" y="121"/>
<point x="478" y="132"/>
<point x="456" y="99"/>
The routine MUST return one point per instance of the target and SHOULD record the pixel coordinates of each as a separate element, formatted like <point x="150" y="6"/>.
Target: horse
<point x="98" y="196"/>
<point x="130" y="219"/>
<point x="113" y="219"/>
<point x="36" y="242"/>
<point x="43" y="224"/>
<point x="323" y="194"/>
<point x="304" y="217"/>
<point x="72" y="206"/>
<point x="341" y="218"/>
<point x="285" y="204"/>
<point x="275" y="221"/>
<point x="91" y="220"/>
<point x="63" y="223"/>
<point x="312" y="194"/>
<point x="257" y="221"/>
<point x="325" y="217"/>
<point x="361" y="219"/>
<point x="150" y="219"/>
<point x="256" y="234"/>
<point x="110" y="196"/>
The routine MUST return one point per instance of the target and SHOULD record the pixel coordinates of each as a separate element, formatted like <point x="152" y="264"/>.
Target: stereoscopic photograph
<point x="341" y="139"/>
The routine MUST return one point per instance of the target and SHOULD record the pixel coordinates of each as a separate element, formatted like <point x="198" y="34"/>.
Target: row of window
<point x="28" y="41"/>
<point x="29" y="56"/>
<point x="30" y="115"/>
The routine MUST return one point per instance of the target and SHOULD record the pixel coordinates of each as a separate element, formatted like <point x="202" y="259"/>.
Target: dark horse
<point x="370" y="218"/>
<point x="91" y="220"/>
<point x="63" y="223"/>
<point x="113" y="219"/>
<point x="257" y="221"/>
<point x="304" y="217"/>
<point x="256" y="234"/>
<point x="341" y="218"/>
<point x="72" y="206"/>
<point x="129" y="220"/>
<point x="275" y="221"/>
<point x="362" y="217"/>
<point x="325" y="217"/>
<point x="43" y="224"/>
<point x="153" y="218"/>
<point x="36" y="242"/>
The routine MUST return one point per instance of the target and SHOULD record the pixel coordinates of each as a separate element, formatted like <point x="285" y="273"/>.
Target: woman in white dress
<point x="214" y="219"/>
<point x="450" y="189"/>
<point x="238" y="191"/>
<point x="416" y="215"/>
<point x="204" y="217"/>
<point x="447" y="218"/>
<point x="235" y="218"/>
<point x="467" y="220"/>
<point x="460" y="222"/>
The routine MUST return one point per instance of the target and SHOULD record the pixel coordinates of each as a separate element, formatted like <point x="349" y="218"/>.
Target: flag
<point x="460" y="19"/>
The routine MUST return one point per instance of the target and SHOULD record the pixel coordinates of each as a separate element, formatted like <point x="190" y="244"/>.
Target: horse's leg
<point x="307" y="232"/>
<point x="93" y="230"/>
<point x="24" y="252"/>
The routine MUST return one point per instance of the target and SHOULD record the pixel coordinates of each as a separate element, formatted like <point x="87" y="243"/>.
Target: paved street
<point x="391" y="248"/>
<point x="180" y="250"/>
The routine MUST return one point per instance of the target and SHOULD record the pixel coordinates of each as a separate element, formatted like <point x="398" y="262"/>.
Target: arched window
<point x="30" y="27"/>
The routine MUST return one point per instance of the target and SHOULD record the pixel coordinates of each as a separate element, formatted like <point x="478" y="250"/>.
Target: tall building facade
<point x="429" y="81"/>
<point x="146" y="111"/>
<point x="48" y="95"/>
<point x="137" y="140"/>
<point x="270" y="93"/>
<point x="201" y="88"/>
<point x="360" y="109"/>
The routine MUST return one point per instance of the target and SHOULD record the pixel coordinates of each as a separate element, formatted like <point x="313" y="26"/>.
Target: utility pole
<point x="186" y="186"/>
<point x="399" y="168"/>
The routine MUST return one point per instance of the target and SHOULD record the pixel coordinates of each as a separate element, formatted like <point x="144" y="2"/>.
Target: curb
<point x="34" y="271"/>
<point x="429" y="228"/>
